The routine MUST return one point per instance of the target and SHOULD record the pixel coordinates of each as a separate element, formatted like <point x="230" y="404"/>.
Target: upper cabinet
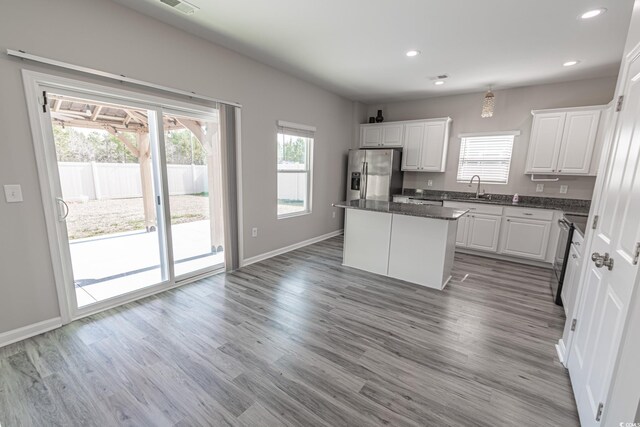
<point x="563" y="141"/>
<point x="381" y="135"/>
<point x="424" y="142"/>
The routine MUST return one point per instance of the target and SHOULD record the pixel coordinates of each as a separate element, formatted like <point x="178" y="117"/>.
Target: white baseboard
<point x="29" y="331"/>
<point x="271" y="254"/>
<point x="562" y="351"/>
<point x="501" y="257"/>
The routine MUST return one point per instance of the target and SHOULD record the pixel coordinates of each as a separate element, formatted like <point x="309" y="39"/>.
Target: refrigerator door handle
<point x="362" y="178"/>
<point x="366" y="178"/>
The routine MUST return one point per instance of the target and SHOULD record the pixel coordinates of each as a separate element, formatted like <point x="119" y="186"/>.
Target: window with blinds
<point x="294" y="165"/>
<point x="488" y="156"/>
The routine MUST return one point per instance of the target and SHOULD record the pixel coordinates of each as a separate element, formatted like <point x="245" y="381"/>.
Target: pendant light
<point x="488" y="104"/>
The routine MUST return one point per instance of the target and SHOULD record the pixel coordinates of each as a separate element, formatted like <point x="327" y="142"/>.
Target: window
<point x="295" y="154"/>
<point x="486" y="155"/>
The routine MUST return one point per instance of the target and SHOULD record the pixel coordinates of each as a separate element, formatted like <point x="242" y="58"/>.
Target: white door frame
<point x="596" y="207"/>
<point x="46" y="160"/>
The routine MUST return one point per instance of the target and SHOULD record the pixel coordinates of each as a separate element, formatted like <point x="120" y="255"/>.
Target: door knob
<point x="602" y="260"/>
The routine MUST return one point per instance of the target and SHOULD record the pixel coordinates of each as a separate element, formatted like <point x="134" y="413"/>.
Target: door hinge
<point x="44" y="101"/>
<point x="636" y="256"/>
<point x="574" y="322"/>
<point x="158" y="198"/>
<point x="599" y="413"/>
<point x="595" y="222"/>
<point x="620" y="101"/>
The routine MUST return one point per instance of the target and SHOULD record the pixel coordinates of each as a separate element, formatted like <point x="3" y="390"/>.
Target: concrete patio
<point x="115" y="264"/>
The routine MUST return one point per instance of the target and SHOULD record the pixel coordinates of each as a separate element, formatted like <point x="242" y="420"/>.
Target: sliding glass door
<point x="106" y="157"/>
<point x="136" y="191"/>
<point x="192" y="152"/>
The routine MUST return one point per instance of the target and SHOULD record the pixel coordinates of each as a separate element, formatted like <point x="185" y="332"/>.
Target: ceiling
<point x="356" y="48"/>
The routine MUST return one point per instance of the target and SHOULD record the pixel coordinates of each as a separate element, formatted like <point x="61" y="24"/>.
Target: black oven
<point x="562" y="255"/>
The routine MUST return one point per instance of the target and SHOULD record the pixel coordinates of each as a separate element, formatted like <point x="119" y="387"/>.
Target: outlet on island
<point x="333" y="214"/>
<point x="254" y="232"/>
<point x="539" y="188"/>
<point x="564" y="189"/>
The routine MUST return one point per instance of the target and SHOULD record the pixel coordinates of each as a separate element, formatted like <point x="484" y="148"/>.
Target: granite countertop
<point x="569" y="206"/>
<point x="425" y="211"/>
<point x="578" y="221"/>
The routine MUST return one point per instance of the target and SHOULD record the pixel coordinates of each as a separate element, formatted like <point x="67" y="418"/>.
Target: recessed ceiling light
<point x="593" y="13"/>
<point x="413" y="53"/>
<point x="438" y="82"/>
<point x="570" y="63"/>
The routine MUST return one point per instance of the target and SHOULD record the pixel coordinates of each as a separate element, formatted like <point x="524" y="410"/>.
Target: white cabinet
<point x="546" y="138"/>
<point x="381" y="135"/>
<point x="571" y="278"/>
<point x="563" y="140"/>
<point x="527" y="238"/>
<point x="366" y="236"/>
<point x="578" y="141"/>
<point x="511" y="231"/>
<point x="478" y="229"/>
<point x="426" y="143"/>
<point x="463" y="231"/>
<point x="413" y="139"/>
<point x="484" y="231"/>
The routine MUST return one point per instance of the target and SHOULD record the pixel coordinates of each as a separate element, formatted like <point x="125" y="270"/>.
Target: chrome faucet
<point x="477" y="189"/>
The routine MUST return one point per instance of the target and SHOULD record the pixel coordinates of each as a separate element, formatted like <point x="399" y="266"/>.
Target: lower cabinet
<point x="484" y="232"/>
<point x="527" y="238"/>
<point x="571" y="278"/>
<point x="463" y="231"/>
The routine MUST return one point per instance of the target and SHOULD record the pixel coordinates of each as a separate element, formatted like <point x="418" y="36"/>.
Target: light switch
<point x="13" y="193"/>
<point x="563" y="189"/>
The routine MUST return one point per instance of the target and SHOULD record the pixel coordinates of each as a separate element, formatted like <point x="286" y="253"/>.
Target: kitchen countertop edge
<point x="422" y="211"/>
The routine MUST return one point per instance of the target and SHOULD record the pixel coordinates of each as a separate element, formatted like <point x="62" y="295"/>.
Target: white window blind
<point x="488" y="156"/>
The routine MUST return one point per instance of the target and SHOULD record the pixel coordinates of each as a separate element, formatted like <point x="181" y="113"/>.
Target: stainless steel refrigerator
<point x="374" y="174"/>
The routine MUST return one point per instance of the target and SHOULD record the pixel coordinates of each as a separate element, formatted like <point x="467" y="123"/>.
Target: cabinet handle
<point x="576" y="243"/>
<point x="574" y="256"/>
<point x="508" y="220"/>
<point x="559" y="170"/>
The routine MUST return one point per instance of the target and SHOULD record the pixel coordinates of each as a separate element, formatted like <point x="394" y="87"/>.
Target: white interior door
<point x="607" y="290"/>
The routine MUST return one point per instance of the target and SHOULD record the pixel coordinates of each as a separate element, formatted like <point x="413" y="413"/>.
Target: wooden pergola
<point x="121" y="120"/>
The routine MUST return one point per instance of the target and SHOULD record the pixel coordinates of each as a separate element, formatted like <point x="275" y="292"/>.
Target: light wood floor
<point x="301" y="340"/>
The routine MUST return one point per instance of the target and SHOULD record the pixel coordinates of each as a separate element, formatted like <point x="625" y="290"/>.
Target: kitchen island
<point x="414" y="243"/>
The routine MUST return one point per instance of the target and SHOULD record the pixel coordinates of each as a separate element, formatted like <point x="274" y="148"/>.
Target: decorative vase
<point x="379" y="117"/>
<point x="372" y="119"/>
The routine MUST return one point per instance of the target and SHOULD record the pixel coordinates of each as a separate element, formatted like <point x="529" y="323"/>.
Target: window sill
<point x="293" y="215"/>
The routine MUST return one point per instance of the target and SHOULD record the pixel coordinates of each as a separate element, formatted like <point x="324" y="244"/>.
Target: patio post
<point x="146" y="180"/>
<point x="210" y="142"/>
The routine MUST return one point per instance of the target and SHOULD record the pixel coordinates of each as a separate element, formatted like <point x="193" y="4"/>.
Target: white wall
<point x="107" y="36"/>
<point x="512" y="112"/>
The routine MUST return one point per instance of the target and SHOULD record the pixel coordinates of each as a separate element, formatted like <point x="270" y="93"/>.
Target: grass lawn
<point x="102" y="217"/>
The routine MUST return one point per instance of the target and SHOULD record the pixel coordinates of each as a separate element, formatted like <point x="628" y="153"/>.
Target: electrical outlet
<point x="563" y="189"/>
<point x="333" y="214"/>
<point x="539" y="188"/>
<point x="430" y="183"/>
<point x="13" y="193"/>
<point x="254" y="232"/>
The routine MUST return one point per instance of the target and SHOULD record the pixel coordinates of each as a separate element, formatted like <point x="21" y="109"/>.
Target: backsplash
<point x="567" y="204"/>
<point x="578" y="187"/>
